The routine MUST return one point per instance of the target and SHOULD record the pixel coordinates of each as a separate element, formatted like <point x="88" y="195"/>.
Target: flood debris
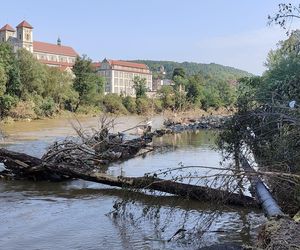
<point x="83" y="157"/>
<point x="280" y="234"/>
<point x="204" y="122"/>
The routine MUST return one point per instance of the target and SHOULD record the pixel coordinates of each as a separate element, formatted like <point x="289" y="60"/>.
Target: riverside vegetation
<point x="29" y="89"/>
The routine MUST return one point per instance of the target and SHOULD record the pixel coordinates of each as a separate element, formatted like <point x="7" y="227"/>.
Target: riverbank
<point x="168" y="114"/>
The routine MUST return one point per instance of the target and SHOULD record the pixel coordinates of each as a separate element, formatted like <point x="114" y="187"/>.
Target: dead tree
<point x="28" y="167"/>
<point x="264" y="197"/>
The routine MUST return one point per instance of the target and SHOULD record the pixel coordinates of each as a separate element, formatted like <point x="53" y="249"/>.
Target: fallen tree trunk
<point x="264" y="196"/>
<point x="34" y="168"/>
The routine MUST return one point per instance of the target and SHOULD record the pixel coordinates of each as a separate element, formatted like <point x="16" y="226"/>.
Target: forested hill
<point x="216" y="71"/>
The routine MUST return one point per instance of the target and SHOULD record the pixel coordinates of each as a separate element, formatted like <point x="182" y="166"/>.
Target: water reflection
<point x="81" y="215"/>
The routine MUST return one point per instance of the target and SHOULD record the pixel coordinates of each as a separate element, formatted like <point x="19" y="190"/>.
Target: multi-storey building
<point x="119" y="75"/>
<point x="54" y="55"/>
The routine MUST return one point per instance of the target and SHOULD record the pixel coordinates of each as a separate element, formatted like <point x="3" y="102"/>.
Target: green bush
<point x="48" y="107"/>
<point x="129" y="103"/>
<point x="142" y="106"/>
<point x="6" y="103"/>
<point x="43" y="106"/>
<point x="112" y="103"/>
<point x="158" y="105"/>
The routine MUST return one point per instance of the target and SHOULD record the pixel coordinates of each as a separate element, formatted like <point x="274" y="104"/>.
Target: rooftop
<point x="53" y="49"/>
<point x="127" y="64"/>
<point x="7" y="27"/>
<point x="25" y="24"/>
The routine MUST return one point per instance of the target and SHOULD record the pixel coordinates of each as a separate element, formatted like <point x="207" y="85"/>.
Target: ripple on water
<point x="74" y="214"/>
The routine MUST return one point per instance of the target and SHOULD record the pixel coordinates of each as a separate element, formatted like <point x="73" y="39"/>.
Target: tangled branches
<point x="96" y="147"/>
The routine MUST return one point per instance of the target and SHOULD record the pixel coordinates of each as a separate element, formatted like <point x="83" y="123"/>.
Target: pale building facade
<point x="54" y="55"/>
<point x="119" y="76"/>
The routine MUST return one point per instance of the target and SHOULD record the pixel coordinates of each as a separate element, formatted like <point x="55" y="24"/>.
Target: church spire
<point x="58" y="41"/>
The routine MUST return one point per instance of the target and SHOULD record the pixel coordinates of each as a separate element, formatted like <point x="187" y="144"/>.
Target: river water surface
<point x="81" y="215"/>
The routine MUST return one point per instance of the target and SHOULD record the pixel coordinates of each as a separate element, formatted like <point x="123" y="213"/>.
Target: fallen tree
<point x="260" y="191"/>
<point x="29" y="167"/>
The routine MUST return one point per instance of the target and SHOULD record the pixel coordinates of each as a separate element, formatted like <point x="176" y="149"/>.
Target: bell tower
<point x="24" y="36"/>
<point x="6" y="32"/>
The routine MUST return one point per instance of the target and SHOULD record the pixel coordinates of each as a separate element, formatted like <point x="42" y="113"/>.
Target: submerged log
<point x="264" y="196"/>
<point x="34" y="168"/>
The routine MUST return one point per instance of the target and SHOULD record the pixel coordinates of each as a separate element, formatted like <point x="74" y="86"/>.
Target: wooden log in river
<point x="33" y="168"/>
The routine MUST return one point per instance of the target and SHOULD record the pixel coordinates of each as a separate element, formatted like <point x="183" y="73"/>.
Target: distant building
<point x="54" y="55"/>
<point x="157" y="83"/>
<point x="119" y="75"/>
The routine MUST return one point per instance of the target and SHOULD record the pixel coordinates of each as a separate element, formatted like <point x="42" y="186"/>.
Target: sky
<point x="229" y="32"/>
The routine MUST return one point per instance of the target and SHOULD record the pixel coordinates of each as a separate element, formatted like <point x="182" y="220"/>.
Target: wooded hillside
<point x="214" y="70"/>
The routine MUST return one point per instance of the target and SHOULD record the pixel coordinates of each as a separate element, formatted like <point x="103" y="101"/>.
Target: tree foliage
<point x="213" y="70"/>
<point x="267" y="119"/>
<point x="87" y="83"/>
<point x="139" y="85"/>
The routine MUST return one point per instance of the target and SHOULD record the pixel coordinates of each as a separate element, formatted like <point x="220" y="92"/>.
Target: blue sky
<point x="229" y="32"/>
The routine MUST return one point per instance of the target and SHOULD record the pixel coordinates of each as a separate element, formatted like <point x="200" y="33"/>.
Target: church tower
<point x="6" y="32"/>
<point x="24" y="36"/>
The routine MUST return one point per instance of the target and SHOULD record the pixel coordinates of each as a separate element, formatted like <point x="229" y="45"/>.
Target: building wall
<point x="5" y="35"/>
<point x="53" y="57"/>
<point x="119" y="80"/>
<point x="24" y="36"/>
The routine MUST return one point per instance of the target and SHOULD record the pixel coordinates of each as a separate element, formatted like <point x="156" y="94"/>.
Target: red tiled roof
<point x="55" y="63"/>
<point x="53" y="49"/>
<point x="127" y="64"/>
<point x="7" y="27"/>
<point x="96" y="65"/>
<point x="24" y="24"/>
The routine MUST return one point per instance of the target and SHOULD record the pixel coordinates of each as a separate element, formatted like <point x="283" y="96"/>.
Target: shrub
<point x="48" y="107"/>
<point x="129" y="103"/>
<point x="158" y="105"/>
<point x="112" y="103"/>
<point x="6" y="103"/>
<point x="43" y="106"/>
<point x="23" y="110"/>
<point x="142" y="105"/>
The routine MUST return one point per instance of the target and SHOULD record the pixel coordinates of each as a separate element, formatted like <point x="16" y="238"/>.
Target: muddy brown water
<point x="80" y="215"/>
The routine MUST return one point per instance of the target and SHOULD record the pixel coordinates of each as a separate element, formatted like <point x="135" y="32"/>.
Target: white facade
<point x="119" y="76"/>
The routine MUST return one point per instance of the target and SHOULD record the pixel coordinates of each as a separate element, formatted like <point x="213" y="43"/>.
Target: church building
<point x="53" y="55"/>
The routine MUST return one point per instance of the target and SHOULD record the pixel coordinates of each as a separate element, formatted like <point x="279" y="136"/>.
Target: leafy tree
<point x="58" y="86"/>
<point x="33" y="74"/>
<point x="195" y="89"/>
<point x="281" y="80"/>
<point x="9" y="62"/>
<point x="178" y="72"/>
<point x="3" y="80"/>
<point x="87" y="83"/>
<point x="139" y="85"/>
<point x="167" y="96"/>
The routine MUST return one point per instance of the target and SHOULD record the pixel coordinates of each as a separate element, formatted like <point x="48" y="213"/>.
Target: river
<point x="80" y="215"/>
